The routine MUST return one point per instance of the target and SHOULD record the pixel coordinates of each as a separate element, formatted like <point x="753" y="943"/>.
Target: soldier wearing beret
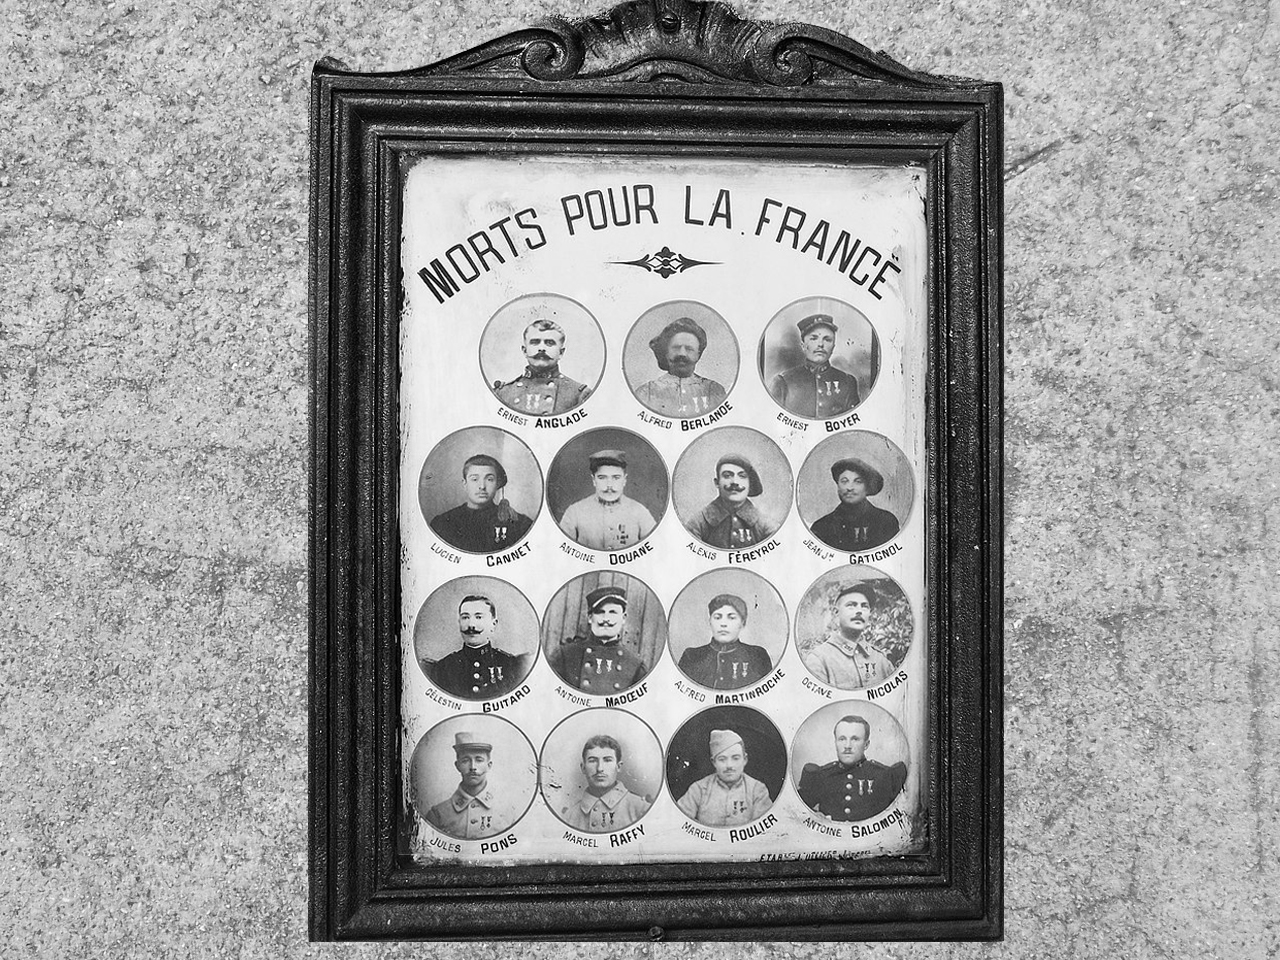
<point x="478" y="670"/>
<point x="852" y="787"/>
<point x="600" y="663"/>
<point x="542" y="390"/>
<point x="847" y="659"/>
<point x="484" y="523"/>
<point x="815" y="389"/>
<point x="607" y="520"/>
<point x="475" y="810"/>
<point x="729" y="797"/>
<point x="856" y="523"/>
<point x="726" y="663"/>
<point x="680" y="392"/>
<point x="605" y="804"/>
<point x="731" y="521"/>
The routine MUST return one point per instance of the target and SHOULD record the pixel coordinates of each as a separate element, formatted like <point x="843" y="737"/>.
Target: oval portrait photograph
<point x="853" y="627"/>
<point x="728" y="629"/>
<point x="849" y="761"/>
<point x="680" y="359"/>
<point x="726" y="766"/>
<point x="855" y="491"/>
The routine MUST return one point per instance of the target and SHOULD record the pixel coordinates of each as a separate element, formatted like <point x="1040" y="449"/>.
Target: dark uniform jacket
<point x="725" y="666"/>
<point x="486" y="530"/>
<point x="542" y="395"/>
<point x="478" y="673"/>
<point x="815" y="392"/>
<point x="854" y="528"/>
<point x="718" y="526"/>
<point x="593" y="666"/>
<point x="858" y="792"/>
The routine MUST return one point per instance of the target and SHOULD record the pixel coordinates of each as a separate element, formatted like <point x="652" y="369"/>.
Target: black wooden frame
<point x="671" y="78"/>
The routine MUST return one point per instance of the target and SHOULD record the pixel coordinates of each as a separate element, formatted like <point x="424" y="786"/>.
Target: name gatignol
<point x="875" y="555"/>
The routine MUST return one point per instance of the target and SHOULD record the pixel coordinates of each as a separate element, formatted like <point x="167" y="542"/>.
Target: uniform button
<point x="476" y="664"/>
<point x="475" y="689"/>
<point x="586" y="683"/>
<point x="848" y="797"/>
<point x="617" y="686"/>
<point x="847" y="810"/>
<point x="588" y="650"/>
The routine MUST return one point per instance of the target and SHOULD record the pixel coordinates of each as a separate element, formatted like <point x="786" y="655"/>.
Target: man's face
<point x="607" y="621"/>
<point x="473" y="765"/>
<point x="730" y="764"/>
<point x="682" y="354"/>
<point x="733" y="483"/>
<point x="854" y="612"/>
<point x="600" y="765"/>
<point x="817" y="344"/>
<point x="476" y="623"/>
<point x="479" y="483"/>
<point x="726" y="624"/>
<point x="851" y="487"/>
<point x="851" y="743"/>
<point x="542" y="348"/>
<point x="609" y="482"/>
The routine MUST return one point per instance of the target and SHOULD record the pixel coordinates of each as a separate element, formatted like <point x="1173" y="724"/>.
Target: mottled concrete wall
<point x="153" y="446"/>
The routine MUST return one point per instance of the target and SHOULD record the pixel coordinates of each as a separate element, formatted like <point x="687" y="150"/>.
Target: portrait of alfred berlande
<point x="855" y="491"/>
<point x="480" y="490"/>
<point x="749" y="482"/>
<point x="680" y="359"/>
<point x="542" y="354"/>
<point x="851" y="761"/>
<point x="819" y="358"/>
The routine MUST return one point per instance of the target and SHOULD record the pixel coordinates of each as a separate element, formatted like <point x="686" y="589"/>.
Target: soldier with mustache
<point x="846" y="659"/>
<point x="600" y="663"/>
<point x="542" y="390"/>
<point x="680" y="392"/>
<point x="731" y="521"/>
<point x="815" y="389"/>
<point x="478" y="670"/>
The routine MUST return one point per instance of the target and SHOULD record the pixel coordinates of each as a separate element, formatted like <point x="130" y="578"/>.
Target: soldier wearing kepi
<point x="726" y="663"/>
<point x="475" y="810"/>
<point x="729" y="797"/>
<point x="731" y="521"/>
<point x="479" y="670"/>
<point x="816" y="389"/>
<point x="542" y="390"/>
<point x="852" y="787"/>
<point x="847" y="659"/>
<point x="607" y="520"/>
<point x="680" y="392"/>
<point x="856" y="523"/>
<point x="485" y="522"/>
<point x="600" y="663"/>
<point x="605" y="804"/>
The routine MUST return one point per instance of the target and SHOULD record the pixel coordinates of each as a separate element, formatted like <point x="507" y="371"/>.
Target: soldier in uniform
<point x="475" y="810"/>
<point x="484" y="523"/>
<point x="680" y="392"/>
<point x="605" y="804"/>
<point x="478" y="670"/>
<point x="852" y="787"/>
<point x="607" y="520"/>
<point x="729" y="797"/>
<point x="856" y="523"/>
<point x="542" y="390"/>
<point x="815" y="389"/>
<point x="847" y="659"/>
<point x="731" y="521"/>
<point x="600" y="663"/>
<point x="726" y="663"/>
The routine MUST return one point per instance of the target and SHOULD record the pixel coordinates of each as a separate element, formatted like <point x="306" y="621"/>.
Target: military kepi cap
<point x="484" y="460"/>
<point x="756" y="487"/>
<point x="681" y="325"/>
<point x="872" y="477"/>
<point x="858" y="587"/>
<point x="607" y="458"/>
<point x="816" y="320"/>
<point x="728" y="600"/>
<point x="469" y="741"/>
<point x="601" y="595"/>
<point x="722" y="740"/>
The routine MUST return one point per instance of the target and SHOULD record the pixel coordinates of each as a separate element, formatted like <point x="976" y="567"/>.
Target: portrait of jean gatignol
<point x="681" y="359"/>
<point x="855" y="491"/>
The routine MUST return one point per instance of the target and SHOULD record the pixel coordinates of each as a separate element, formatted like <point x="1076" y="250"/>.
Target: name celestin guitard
<point x="772" y="219"/>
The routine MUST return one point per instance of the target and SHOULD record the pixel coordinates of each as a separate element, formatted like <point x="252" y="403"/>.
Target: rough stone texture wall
<point x="153" y="446"/>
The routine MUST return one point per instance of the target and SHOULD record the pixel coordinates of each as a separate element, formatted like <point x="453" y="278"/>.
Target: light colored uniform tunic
<point x="607" y="526"/>
<point x="847" y="664"/>
<point x="681" y="397"/>
<point x="712" y="803"/>
<point x="615" y="810"/>
<point x="470" y="818"/>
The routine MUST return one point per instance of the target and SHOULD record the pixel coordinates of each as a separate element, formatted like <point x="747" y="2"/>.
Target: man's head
<point x="728" y="615"/>
<point x="607" y="612"/>
<point x="679" y="346"/>
<point x="608" y="474"/>
<point x="482" y="478"/>
<point x="477" y="619"/>
<point x="729" y="755"/>
<point x="817" y="337"/>
<point x="736" y="479"/>
<point x="601" y="763"/>
<point x="473" y="758"/>
<point x="543" y="345"/>
<point x="856" y="480"/>
<point x="854" y="605"/>
<point x="852" y="736"/>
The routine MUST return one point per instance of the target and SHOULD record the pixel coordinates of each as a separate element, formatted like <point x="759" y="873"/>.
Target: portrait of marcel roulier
<point x="726" y="766"/>
<point x="480" y="490"/>
<point x="819" y="358"/>
<point x="728" y="628"/>
<point x="680" y="359"/>
<point x="854" y="627"/>
<point x="607" y="489"/>
<point x="850" y="761"/>
<point x="476" y="638"/>
<point x="732" y="488"/>
<point x="855" y="491"/>
<point x="542" y="354"/>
